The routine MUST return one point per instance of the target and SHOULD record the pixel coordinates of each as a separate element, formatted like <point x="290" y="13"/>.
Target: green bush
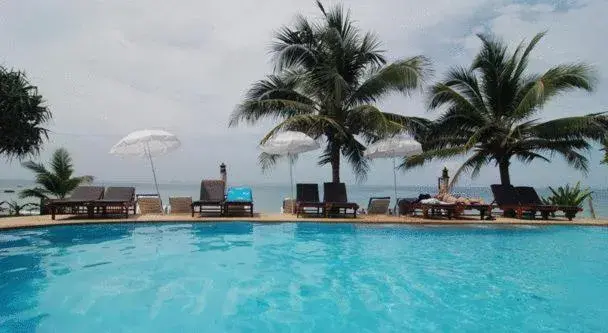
<point x="568" y="196"/>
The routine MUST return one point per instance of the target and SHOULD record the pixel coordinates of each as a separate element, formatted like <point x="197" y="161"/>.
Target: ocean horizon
<point x="268" y="197"/>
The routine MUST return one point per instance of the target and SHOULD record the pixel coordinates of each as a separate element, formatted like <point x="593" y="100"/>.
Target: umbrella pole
<point x="291" y="174"/>
<point x="395" y="185"/>
<point x="154" y="175"/>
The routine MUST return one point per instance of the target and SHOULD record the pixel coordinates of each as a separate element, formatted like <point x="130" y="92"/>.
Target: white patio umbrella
<point x="396" y="146"/>
<point x="147" y="143"/>
<point x="290" y="143"/>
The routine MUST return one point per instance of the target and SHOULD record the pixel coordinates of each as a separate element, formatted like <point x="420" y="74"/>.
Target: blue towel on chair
<point x="239" y="194"/>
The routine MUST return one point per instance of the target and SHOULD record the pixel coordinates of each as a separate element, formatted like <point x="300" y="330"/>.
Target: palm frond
<point x="313" y="125"/>
<point x="429" y="155"/>
<point x="370" y="122"/>
<point x="472" y="165"/>
<point x="268" y="161"/>
<point x="459" y="89"/>
<point x="592" y="126"/>
<point x="36" y="192"/>
<point x="401" y="76"/>
<point x="253" y="111"/>
<point x="555" y="81"/>
<point x="353" y="150"/>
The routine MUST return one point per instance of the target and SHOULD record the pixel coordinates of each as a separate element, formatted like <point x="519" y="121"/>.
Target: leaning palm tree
<point x="492" y="108"/>
<point x="328" y="75"/>
<point x="57" y="182"/>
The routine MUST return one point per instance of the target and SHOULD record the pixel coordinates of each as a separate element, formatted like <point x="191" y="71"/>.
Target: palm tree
<point x="491" y="113"/>
<point x="327" y="77"/>
<point x="56" y="182"/>
<point x="22" y="115"/>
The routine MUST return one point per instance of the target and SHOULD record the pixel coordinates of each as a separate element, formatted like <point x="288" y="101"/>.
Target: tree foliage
<point x="491" y="112"/>
<point x="328" y="76"/>
<point x="22" y="115"/>
<point x="57" y="180"/>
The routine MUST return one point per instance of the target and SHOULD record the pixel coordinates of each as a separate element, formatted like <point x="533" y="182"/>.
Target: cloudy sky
<point x="109" y="67"/>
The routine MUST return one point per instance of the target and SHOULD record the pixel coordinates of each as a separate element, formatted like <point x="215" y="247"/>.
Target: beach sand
<point x="35" y="221"/>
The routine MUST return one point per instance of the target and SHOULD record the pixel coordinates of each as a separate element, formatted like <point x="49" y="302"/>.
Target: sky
<point x="109" y="67"/>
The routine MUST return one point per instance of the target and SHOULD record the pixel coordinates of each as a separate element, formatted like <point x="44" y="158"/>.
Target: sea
<point x="268" y="198"/>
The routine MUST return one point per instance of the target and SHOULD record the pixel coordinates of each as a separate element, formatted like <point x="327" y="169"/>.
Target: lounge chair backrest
<point x="239" y="194"/>
<point x="212" y="190"/>
<point x="180" y="204"/>
<point x="86" y="193"/>
<point x="307" y="192"/>
<point x="117" y="193"/>
<point x="505" y="195"/>
<point x="378" y="205"/>
<point x="527" y="195"/>
<point x="334" y="192"/>
<point x="149" y="205"/>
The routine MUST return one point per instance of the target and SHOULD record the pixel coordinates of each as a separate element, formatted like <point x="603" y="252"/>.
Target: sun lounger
<point x="485" y="210"/>
<point x="307" y="200"/>
<point x="212" y="197"/>
<point x="434" y="207"/>
<point x="407" y="205"/>
<point x="149" y="204"/>
<point x="336" y="201"/>
<point x="378" y="205"/>
<point x="529" y="196"/>
<point x="238" y="200"/>
<point x="507" y="197"/>
<point x="116" y="200"/>
<point x="180" y="205"/>
<point x="80" y="199"/>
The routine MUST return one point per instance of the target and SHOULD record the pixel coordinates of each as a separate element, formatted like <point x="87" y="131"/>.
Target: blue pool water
<point x="306" y="277"/>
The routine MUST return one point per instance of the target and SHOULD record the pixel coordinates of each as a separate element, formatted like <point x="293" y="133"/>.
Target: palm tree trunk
<point x="503" y="167"/>
<point x="335" y="165"/>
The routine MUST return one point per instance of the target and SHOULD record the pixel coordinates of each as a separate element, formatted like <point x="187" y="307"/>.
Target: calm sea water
<point x="268" y="198"/>
<point x="305" y="277"/>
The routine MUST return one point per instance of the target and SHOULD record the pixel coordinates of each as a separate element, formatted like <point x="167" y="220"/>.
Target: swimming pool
<point x="304" y="277"/>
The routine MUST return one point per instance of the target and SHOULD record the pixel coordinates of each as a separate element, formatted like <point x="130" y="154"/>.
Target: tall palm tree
<point x="492" y="108"/>
<point x="22" y="115"/>
<point x="57" y="182"/>
<point x="327" y="77"/>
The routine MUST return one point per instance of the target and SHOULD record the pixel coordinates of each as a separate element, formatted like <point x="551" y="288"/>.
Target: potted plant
<point x="568" y="196"/>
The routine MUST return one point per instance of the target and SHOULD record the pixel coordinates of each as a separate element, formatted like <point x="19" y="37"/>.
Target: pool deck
<point x="39" y="221"/>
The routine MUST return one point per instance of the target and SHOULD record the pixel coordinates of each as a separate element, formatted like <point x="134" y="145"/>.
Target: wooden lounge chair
<point x="212" y="197"/>
<point x="239" y="200"/>
<point x="118" y="200"/>
<point x="485" y="210"/>
<point x="336" y="201"/>
<point x="407" y="205"/>
<point x="80" y="199"/>
<point x="450" y="209"/>
<point x="506" y="198"/>
<point x="180" y="205"/>
<point x="378" y="205"/>
<point x="307" y="199"/>
<point x="529" y="196"/>
<point x="149" y="204"/>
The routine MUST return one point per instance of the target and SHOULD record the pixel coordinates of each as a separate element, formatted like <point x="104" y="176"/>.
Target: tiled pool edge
<point x="24" y="222"/>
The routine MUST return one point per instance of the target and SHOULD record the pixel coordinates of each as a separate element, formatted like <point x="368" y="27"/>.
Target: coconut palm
<point x="328" y="76"/>
<point x="22" y="115"/>
<point x="57" y="182"/>
<point x="15" y="208"/>
<point x="492" y="109"/>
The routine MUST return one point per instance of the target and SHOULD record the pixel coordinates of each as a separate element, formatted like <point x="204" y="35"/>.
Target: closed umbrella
<point x="290" y="144"/>
<point x="147" y="143"/>
<point x="393" y="147"/>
